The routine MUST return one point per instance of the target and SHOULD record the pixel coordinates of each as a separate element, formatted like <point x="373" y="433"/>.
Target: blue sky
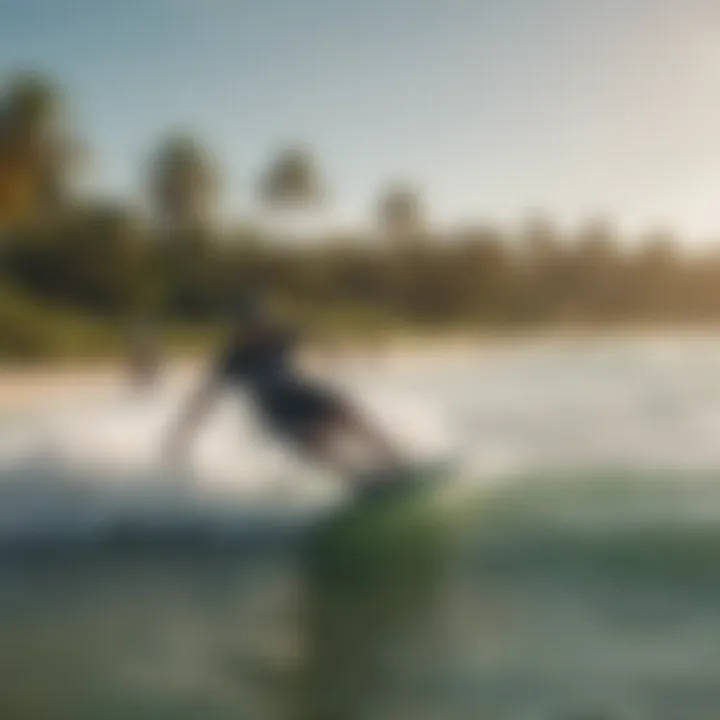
<point x="577" y="108"/>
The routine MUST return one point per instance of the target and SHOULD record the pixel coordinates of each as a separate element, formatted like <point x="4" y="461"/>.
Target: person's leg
<point x="350" y="420"/>
<point x="319" y="421"/>
<point x="321" y="445"/>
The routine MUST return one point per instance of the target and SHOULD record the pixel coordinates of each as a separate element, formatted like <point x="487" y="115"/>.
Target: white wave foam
<point x="634" y="405"/>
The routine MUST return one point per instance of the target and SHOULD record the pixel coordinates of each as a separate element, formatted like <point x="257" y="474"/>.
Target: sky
<point x="495" y="109"/>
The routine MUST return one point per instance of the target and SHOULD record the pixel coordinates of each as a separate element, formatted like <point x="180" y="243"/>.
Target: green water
<point x="546" y="599"/>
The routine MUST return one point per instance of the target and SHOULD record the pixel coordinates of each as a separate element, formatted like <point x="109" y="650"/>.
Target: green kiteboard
<point x="394" y="524"/>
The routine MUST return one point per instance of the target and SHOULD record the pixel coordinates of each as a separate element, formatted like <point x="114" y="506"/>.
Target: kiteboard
<point x="393" y="520"/>
<point x="401" y="483"/>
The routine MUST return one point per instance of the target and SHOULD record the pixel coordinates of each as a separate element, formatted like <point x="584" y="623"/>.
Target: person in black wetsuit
<point x="259" y="357"/>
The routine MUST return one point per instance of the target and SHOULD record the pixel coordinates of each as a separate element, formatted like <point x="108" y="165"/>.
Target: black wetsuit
<point x="290" y="404"/>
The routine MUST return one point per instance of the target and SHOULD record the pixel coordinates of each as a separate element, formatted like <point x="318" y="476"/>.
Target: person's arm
<point x="196" y="410"/>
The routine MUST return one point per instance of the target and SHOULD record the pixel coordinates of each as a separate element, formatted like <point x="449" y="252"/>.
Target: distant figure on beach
<point x="258" y="355"/>
<point x="144" y="361"/>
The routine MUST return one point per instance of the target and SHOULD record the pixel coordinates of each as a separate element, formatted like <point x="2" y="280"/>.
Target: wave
<point x="615" y="525"/>
<point x="602" y="523"/>
<point x="52" y="508"/>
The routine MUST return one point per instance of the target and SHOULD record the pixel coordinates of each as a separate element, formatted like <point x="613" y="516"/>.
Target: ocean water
<point x="575" y="575"/>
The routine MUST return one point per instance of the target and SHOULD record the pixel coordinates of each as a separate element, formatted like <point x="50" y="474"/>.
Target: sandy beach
<point x="33" y="387"/>
<point x="24" y="388"/>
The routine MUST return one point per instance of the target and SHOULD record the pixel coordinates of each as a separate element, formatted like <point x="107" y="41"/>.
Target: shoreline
<point x="30" y="386"/>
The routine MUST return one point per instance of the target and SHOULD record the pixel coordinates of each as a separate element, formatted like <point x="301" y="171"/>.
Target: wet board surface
<point x="403" y="483"/>
<point x="392" y="522"/>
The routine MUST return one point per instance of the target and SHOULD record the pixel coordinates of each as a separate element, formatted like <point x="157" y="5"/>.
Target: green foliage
<point x="401" y="213"/>
<point x="101" y="265"/>
<point x="292" y="180"/>
<point x="31" y="331"/>
<point x="37" y="153"/>
<point x="183" y="184"/>
<point x="92" y="260"/>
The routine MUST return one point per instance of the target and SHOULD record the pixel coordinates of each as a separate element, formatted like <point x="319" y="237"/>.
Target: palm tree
<point x="37" y="153"/>
<point x="542" y="270"/>
<point x="291" y="187"/>
<point x="292" y="180"/>
<point x="184" y="185"/>
<point x="401" y="213"/>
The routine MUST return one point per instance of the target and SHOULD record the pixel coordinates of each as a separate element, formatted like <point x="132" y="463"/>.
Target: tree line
<point x="170" y="257"/>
